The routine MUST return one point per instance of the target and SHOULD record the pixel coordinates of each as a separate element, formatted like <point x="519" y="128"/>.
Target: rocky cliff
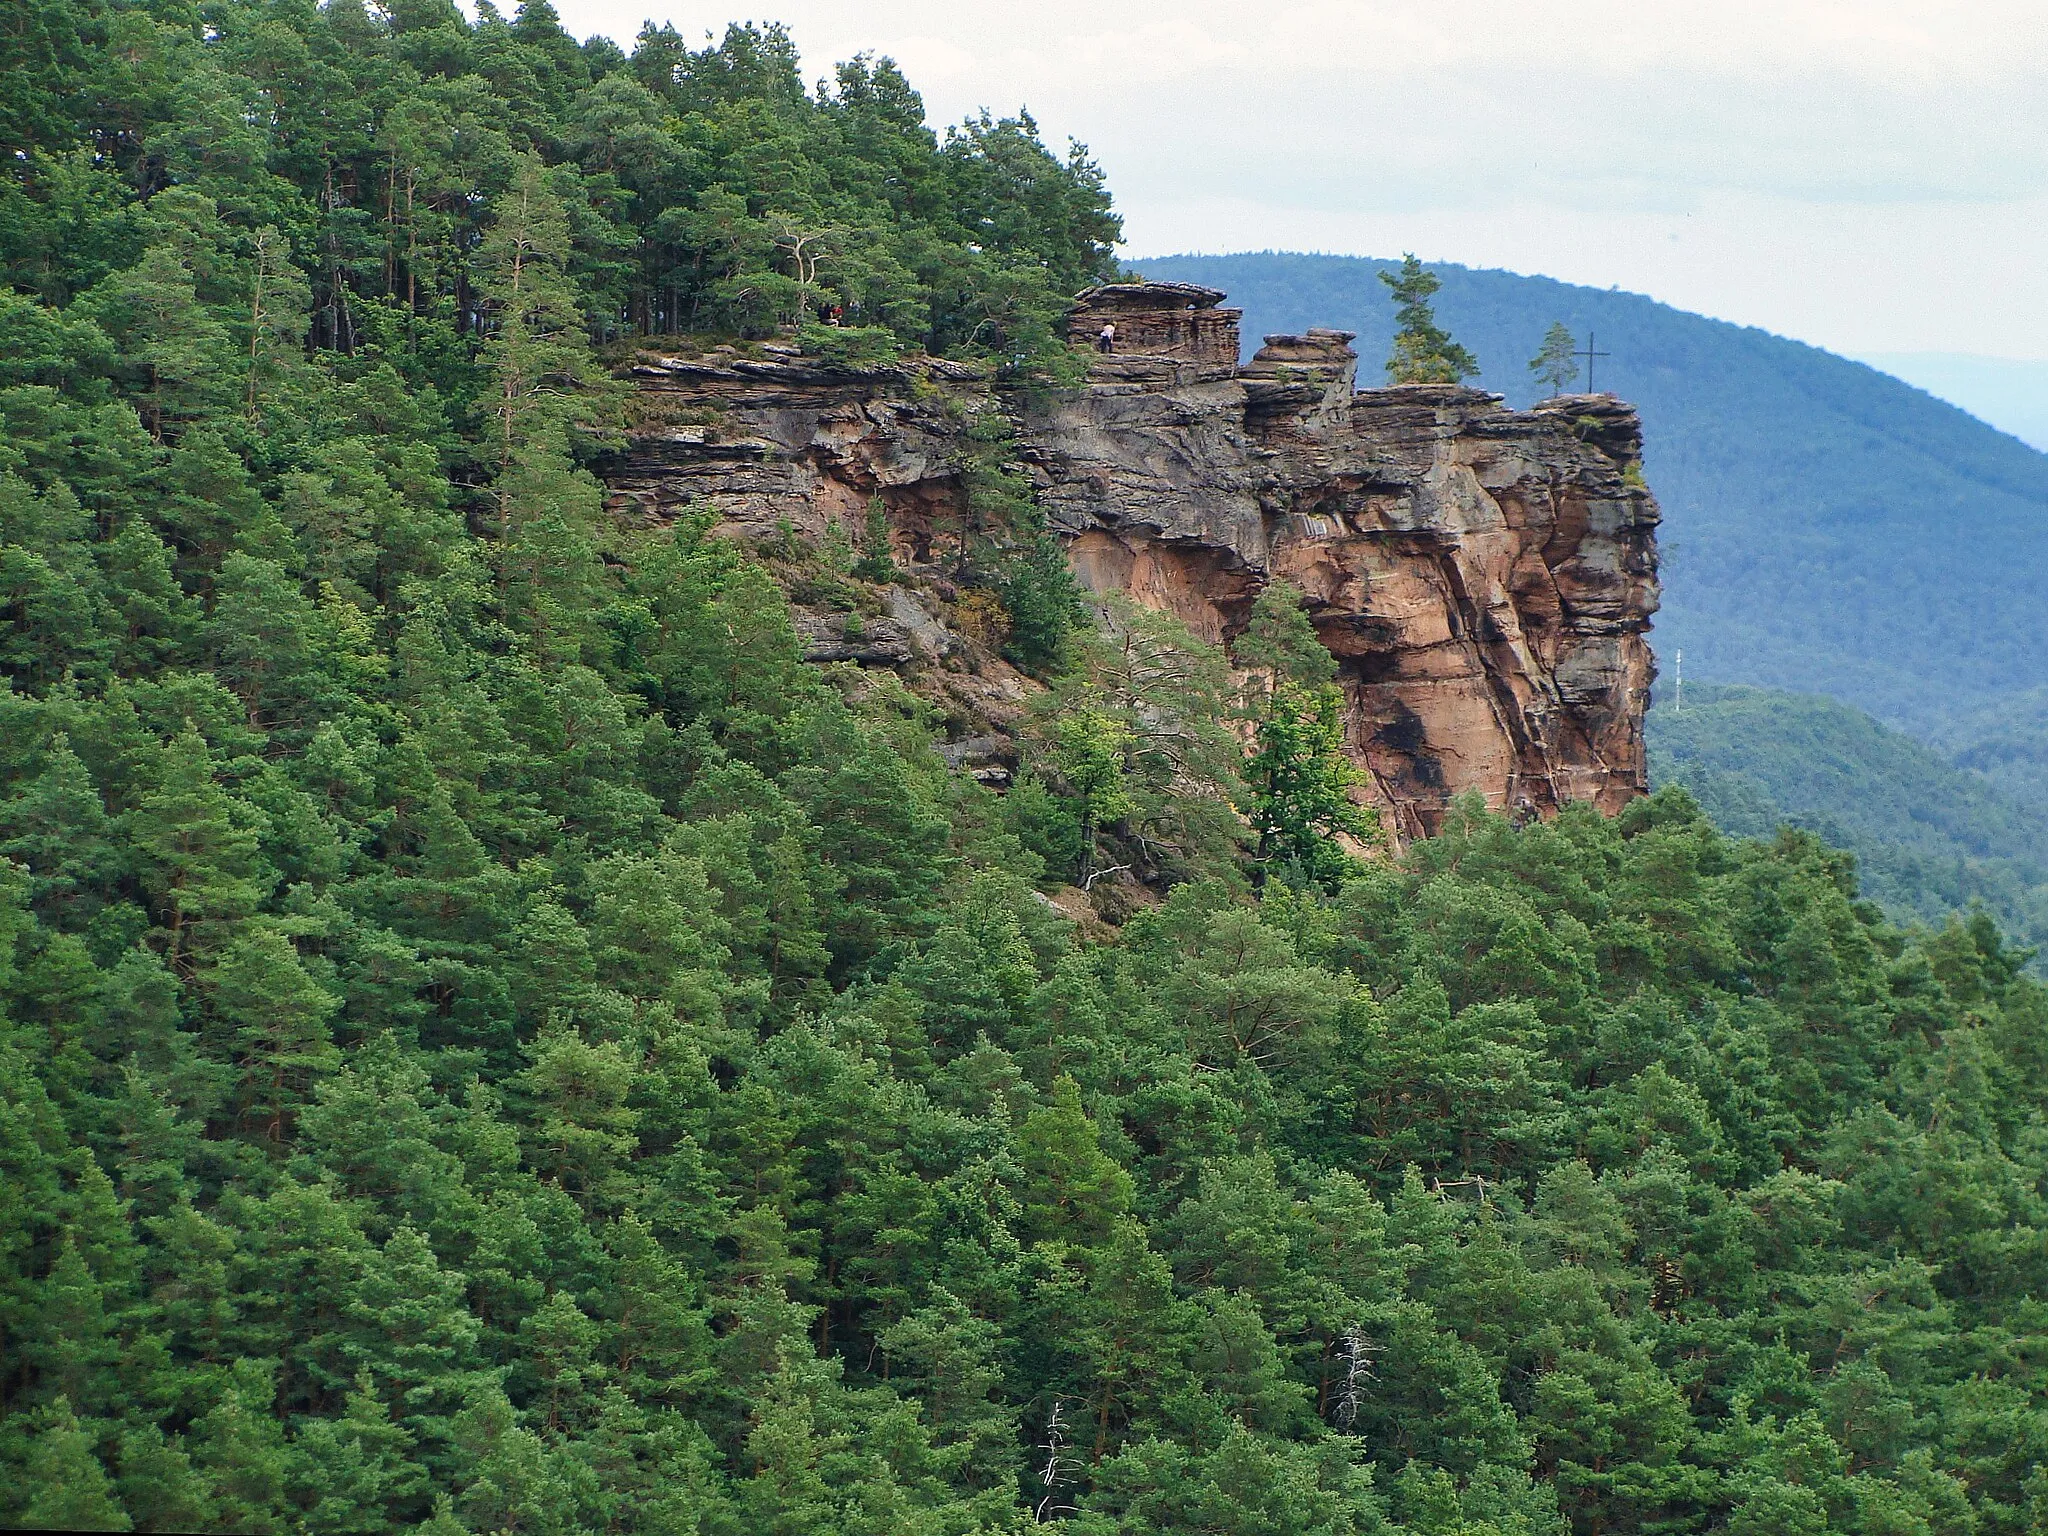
<point x="1484" y="577"/>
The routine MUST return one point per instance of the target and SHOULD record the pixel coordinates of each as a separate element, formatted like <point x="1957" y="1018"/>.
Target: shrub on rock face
<point x="1300" y="780"/>
<point x="1043" y="602"/>
<point x="850" y="346"/>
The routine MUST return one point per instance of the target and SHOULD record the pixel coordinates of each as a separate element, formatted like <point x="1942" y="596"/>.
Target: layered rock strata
<point x="1484" y="577"/>
<point x="1158" y="319"/>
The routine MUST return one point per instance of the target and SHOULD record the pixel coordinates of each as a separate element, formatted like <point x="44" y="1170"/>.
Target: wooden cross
<point x="1589" y="354"/>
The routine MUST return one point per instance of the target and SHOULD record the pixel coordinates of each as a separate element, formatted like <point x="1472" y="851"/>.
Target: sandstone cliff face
<point x="1484" y="577"/>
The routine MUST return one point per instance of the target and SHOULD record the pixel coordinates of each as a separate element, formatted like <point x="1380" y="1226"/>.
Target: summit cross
<point x="1589" y="354"/>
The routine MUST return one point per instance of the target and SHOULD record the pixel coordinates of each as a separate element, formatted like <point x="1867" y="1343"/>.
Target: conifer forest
<point x="492" y="1041"/>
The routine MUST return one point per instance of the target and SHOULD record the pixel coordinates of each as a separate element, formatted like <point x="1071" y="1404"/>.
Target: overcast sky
<point x="1867" y="175"/>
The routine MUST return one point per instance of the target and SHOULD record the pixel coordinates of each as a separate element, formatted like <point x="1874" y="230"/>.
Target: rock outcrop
<point x="1158" y="319"/>
<point x="1484" y="577"/>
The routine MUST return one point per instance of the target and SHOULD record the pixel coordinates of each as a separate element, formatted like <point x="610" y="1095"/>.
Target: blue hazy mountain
<point x="2011" y="393"/>
<point x="1828" y="529"/>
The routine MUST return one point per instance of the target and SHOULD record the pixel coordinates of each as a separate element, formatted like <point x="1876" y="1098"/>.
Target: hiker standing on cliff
<point x="1105" y="339"/>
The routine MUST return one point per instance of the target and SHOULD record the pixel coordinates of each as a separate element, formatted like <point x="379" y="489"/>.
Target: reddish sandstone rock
<point x="1484" y="577"/>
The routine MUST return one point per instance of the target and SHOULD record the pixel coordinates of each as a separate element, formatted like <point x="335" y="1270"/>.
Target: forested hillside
<point x="1827" y="529"/>
<point x="1931" y="837"/>
<point x="2006" y="742"/>
<point x="490" y="1041"/>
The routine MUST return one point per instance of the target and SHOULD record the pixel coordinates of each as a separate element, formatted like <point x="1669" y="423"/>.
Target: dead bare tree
<point x="1356" y="1351"/>
<point x="806" y="250"/>
<point x="1060" y="1469"/>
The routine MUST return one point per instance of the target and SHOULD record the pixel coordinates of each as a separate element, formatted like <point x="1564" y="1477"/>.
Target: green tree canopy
<point x="1423" y="351"/>
<point x="1556" y="363"/>
<point x="491" y="1040"/>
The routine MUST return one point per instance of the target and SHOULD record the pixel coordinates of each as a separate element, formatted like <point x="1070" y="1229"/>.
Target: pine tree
<point x="1149" y="701"/>
<point x="1089" y="748"/>
<point x="278" y="1018"/>
<point x="58" y="827"/>
<point x="193" y="1259"/>
<point x="879" y="834"/>
<point x="207" y="502"/>
<point x="241" y="1446"/>
<point x="564" y="1379"/>
<point x="1556" y="363"/>
<point x="354" y="1474"/>
<point x="950" y="1358"/>
<point x="198" y="850"/>
<point x="1299" y="778"/>
<point x="1072" y="1189"/>
<point x="792" y="1454"/>
<point x="546" y="390"/>
<point x="509" y="1478"/>
<point x="661" y="1340"/>
<point x="1133" y="1338"/>
<point x="68" y="1489"/>
<point x="156" y="616"/>
<point x="56" y="602"/>
<point x="277" y="317"/>
<point x="159" y="1486"/>
<point x="1423" y="350"/>
<point x="71" y="1341"/>
<point x="1280" y="640"/>
<point x="262" y="638"/>
<point x="583" y="1124"/>
<point x="414" y="1330"/>
<point x="178" y="351"/>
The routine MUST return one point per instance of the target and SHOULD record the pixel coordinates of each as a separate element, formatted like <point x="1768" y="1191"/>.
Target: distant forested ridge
<point x="1827" y="529"/>
<point x="1931" y="836"/>
<point x="491" y="1041"/>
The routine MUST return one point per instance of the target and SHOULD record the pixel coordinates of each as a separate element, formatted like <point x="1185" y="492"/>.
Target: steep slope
<point x="1828" y="529"/>
<point x="1931" y="837"/>
<point x="492" y="1041"/>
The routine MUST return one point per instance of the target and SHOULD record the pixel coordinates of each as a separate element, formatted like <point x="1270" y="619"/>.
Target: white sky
<point x="1868" y="175"/>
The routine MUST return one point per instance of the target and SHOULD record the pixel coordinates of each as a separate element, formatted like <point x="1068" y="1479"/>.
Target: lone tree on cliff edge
<point x="1556" y="362"/>
<point x="1423" y="350"/>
